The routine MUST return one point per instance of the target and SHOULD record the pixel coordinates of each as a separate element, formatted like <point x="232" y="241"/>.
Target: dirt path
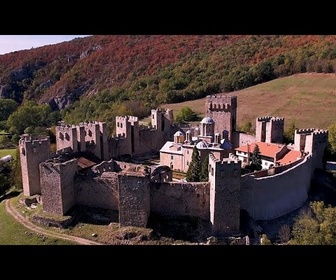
<point x="24" y="221"/>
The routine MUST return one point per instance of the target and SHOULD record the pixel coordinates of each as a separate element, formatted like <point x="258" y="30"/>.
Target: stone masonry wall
<point x="68" y="171"/>
<point x="134" y="199"/>
<point x="100" y="191"/>
<point x="273" y="196"/>
<point x="180" y="199"/>
<point x="57" y="188"/>
<point x="242" y="139"/>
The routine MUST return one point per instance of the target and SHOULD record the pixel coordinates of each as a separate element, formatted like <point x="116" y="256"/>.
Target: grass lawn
<point x="5" y="152"/>
<point x="13" y="233"/>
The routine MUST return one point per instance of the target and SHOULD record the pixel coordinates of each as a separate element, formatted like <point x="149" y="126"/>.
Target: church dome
<point x="178" y="133"/>
<point x="207" y="120"/>
<point x="201" y="145"/>
<point x="225" y="144"/>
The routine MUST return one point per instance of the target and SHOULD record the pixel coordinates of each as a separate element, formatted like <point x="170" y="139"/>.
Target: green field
<point x="307" y="99"/>
<point x="5" y="152"/>
<point x="13" y="233"/>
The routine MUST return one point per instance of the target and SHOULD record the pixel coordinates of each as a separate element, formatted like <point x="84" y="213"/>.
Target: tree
<point x="289" y="133"/>
<point x="246" y="127"/>
<point x="186" y="114"/>
<point x="7" y="107"/>
<point x="16" y="175"/>
<point x="265" y="240"/>
<point x="205" y="170"/>
<point x="256" y="158"/>
<point x="332" y="138"/>
<point x="194" y="170"/>
<point x="316" y="226"/>
<point x="28" y="115"/>
<point x="4" y="181"/>
<point x="284" y="233"/>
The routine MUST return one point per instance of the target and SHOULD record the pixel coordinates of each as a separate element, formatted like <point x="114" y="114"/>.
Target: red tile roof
<point x="266" y="149"/>
<point x="290" y="157"/>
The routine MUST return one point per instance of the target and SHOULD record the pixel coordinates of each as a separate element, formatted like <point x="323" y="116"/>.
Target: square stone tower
<point x="33" y="151"/>
<point x="224" y="178"/>
<point x="270" y="129"/>
<point x="222" y="108"/>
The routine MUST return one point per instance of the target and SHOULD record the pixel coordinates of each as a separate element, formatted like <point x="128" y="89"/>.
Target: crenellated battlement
<point x="34" y="141"/>
<point x="230" y="161"/>
<point x="278" y="119"/>
<point x="270" y="118"/>
<point x="133" y="119"/>
<point x="89" y="125"/>
<point x="221" y="103"/>
<point x="121" y="118"/>
<point x="321" y="132"/>
<point x="104" y="166"/>
<point x="161" y="110"/>
<point x="264" y="119"/>
<point x="221" y="98"/>
<point x="304" y="131"/>
<point x="65" y="128"/>
<point x="233" y="157"/>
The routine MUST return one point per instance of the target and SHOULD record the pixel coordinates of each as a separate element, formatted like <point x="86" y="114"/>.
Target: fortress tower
<point x="161" y="119"/>
<point x="33" y="151"/>
<point x="95" y="132"/>
<point x="128" y="128"/>
<point x="87" y="136"/>
<point x="134" y="198"/>
<point x="224" y="178"/>
<point x="66" y="137"/>
<point x="57" y="186"/>
<point x="312" y="141"/>
<point x="222" y="108"/>
<point x="270" y="129"/>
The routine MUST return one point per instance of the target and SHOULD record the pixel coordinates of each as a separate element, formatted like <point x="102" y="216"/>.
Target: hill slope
<point x="309" y="100"/>
<point x="158" y="68"/>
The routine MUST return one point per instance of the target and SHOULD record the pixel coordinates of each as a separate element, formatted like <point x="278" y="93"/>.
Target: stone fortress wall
<point x="131" y="138"/>
<point x="131" y="189"/>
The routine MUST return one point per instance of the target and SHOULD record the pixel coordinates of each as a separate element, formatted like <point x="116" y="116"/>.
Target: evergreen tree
<point x="205" y="170"/>
<point x="255" y="158"/>
<point x="194" y="170"/>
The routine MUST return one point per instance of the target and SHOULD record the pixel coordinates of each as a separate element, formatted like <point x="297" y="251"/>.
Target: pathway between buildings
<point x="24" y="221"/>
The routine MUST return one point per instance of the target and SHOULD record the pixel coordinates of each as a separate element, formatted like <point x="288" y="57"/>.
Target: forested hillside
<point x="101" y="76"/>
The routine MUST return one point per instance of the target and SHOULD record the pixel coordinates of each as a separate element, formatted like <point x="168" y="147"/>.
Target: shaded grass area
<point x="308" y="99"/>
<point x="103" y="226"/>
